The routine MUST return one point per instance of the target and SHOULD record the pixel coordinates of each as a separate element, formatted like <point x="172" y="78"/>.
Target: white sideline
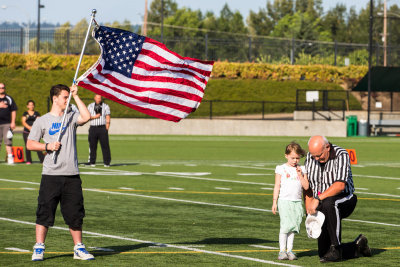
<point x="166" y="245"/>
<point x="198" y="202"/>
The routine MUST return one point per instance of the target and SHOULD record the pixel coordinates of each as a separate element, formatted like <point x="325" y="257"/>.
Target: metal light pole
<point x="162" y="20"/>
<point x="371" y="20"/>
<point x="144" y="26"/>
<point x="384" y="34"/>
<point x="38" y="28"/>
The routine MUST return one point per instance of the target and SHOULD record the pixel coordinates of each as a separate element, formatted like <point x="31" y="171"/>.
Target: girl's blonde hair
<point x="293" y="146"/>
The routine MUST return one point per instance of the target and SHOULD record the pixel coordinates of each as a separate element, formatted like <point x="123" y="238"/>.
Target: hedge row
<point x="281" y="72"/>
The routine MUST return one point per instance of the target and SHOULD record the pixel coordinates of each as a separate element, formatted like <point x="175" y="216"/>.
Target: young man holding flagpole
<point x="60" y="182"/>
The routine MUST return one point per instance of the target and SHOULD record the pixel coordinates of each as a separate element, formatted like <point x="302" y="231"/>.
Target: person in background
<point x="98" y="131"/>
<point x="28" y="118"/>
<point x="289" y="185"/>
<point x="8" y="113"/>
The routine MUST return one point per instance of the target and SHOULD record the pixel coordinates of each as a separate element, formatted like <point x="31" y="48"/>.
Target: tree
<point x="259" y="23"/>
<point x="279" y="9"/>
<point x="229" y="21"/>
<point x="62" y="39"/>
<point x="154" y="15"/>
<point x="334" y="22"/>
<point x="300" y="26"/>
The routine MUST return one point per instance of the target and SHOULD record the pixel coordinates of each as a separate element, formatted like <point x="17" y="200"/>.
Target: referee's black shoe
<point x="362" y="246"/>
<point x="334" y="254"/>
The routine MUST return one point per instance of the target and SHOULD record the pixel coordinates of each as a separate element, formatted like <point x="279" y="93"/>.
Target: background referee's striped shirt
<point x="105" y="110"/>
<point x="337" y="168"/>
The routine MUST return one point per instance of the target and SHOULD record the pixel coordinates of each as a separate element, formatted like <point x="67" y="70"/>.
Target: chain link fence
<point x="210" y="46"/>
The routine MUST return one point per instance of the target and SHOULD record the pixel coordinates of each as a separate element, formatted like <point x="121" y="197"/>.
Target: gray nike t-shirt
<point x="47" y="128"/>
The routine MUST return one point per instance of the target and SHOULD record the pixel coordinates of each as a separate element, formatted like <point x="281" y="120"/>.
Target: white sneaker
<point x="10" y="159"/>
<point x="38" y="252"/>
<point x="282" y="256"/>
<point x="80" y="253"/>
<point x="291" y="255"/>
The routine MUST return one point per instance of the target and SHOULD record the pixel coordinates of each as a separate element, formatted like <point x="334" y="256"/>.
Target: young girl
<point x="289" y="181"/>
<point x="28" y="118"/>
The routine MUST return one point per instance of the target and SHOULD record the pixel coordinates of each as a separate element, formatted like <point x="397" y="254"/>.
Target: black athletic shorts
<point x="66" y="190"/>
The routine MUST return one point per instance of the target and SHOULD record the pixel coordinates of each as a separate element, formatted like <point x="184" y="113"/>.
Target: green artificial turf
<point x="200" y="194"/>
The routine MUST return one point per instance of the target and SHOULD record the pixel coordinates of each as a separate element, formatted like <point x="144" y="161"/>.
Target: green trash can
<point x="351" y="125"/>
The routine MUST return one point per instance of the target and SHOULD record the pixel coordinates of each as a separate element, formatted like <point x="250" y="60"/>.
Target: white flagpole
<point x="74" y="81"/>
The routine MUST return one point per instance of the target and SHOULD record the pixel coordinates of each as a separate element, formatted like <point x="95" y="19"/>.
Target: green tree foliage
<point x="300" y="26"/>
<point x="334" y="22"/>
<point x="170" y="7"/>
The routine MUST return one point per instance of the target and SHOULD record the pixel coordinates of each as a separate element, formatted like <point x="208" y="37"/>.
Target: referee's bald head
<point x="318" y="146"/>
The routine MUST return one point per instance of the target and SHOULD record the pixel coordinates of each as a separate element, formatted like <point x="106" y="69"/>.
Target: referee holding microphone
<point x="331" y="192"/>
<point x="98" y="131"/>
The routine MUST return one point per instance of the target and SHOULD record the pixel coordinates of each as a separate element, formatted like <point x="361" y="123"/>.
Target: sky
<point x="61" y="11"/>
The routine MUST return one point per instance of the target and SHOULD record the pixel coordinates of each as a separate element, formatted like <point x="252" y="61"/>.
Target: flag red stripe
<point x="148" y="100"/>
<point x="150" y="112"/>
<point x="162" y="60"/>
<point x="178" y="81"/>
<point x="162" y="46"/>
<point x="144" y="65"/>
<point x="165" y="91"/>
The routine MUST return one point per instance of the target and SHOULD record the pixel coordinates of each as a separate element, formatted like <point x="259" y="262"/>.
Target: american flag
<point x="143" y="74"/>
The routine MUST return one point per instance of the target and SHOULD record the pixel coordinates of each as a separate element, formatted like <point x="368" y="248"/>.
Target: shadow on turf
<point x="98" y="253"/>
<point x="310" y="253"/>
<point x="210" y="241"/>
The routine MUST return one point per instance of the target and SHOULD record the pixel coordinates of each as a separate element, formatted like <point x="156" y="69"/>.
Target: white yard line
<point x="167" y="174"/>
<point x="206" y="179"/>
<point x="246" y="167"/>
<point x="175" y="199"/>
<point x="223" y="188"/>
<point x="185" y="173"/>
<point x="125" y="188"/>
<point x="378" y="223"/>
<point x="166" y="245"/>
<point x="16" y="181"/>
<point x="378" y="194"/>
<point x="360" y="188"/>
<point x="255" y="174"/>
<point x="265" y="247"/>
<point x="17" y="249"/>
<point x="376" y="177"/>
<point x="176" y="188"/>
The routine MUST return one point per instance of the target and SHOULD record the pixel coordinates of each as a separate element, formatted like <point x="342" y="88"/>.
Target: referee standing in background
<point x="332" y="192"/>
<point x="98" y="131"/>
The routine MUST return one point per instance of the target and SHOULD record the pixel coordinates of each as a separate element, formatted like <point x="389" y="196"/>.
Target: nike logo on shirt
<point x="55" y="128"/>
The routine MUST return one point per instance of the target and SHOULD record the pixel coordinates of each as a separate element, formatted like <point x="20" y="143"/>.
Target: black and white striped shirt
<point x="105" y="110"/>
<point x="322" y="175"/>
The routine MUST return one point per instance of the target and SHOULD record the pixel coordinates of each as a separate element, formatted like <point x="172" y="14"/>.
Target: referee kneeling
<point x="98" y="131"/>
<point x="331" y="192"/>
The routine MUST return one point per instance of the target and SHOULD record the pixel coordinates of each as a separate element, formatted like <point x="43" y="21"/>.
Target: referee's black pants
<point x="28" y="152"/>
<point x="99" y="133"/>
<point x="335" y="209"/>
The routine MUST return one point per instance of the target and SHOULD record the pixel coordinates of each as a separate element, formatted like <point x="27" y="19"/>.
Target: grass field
<point x="196" y="201"/>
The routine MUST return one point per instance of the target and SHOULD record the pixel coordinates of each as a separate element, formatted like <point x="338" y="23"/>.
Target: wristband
<point x="45" y="147"/>
<point x="317" y="197"/>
